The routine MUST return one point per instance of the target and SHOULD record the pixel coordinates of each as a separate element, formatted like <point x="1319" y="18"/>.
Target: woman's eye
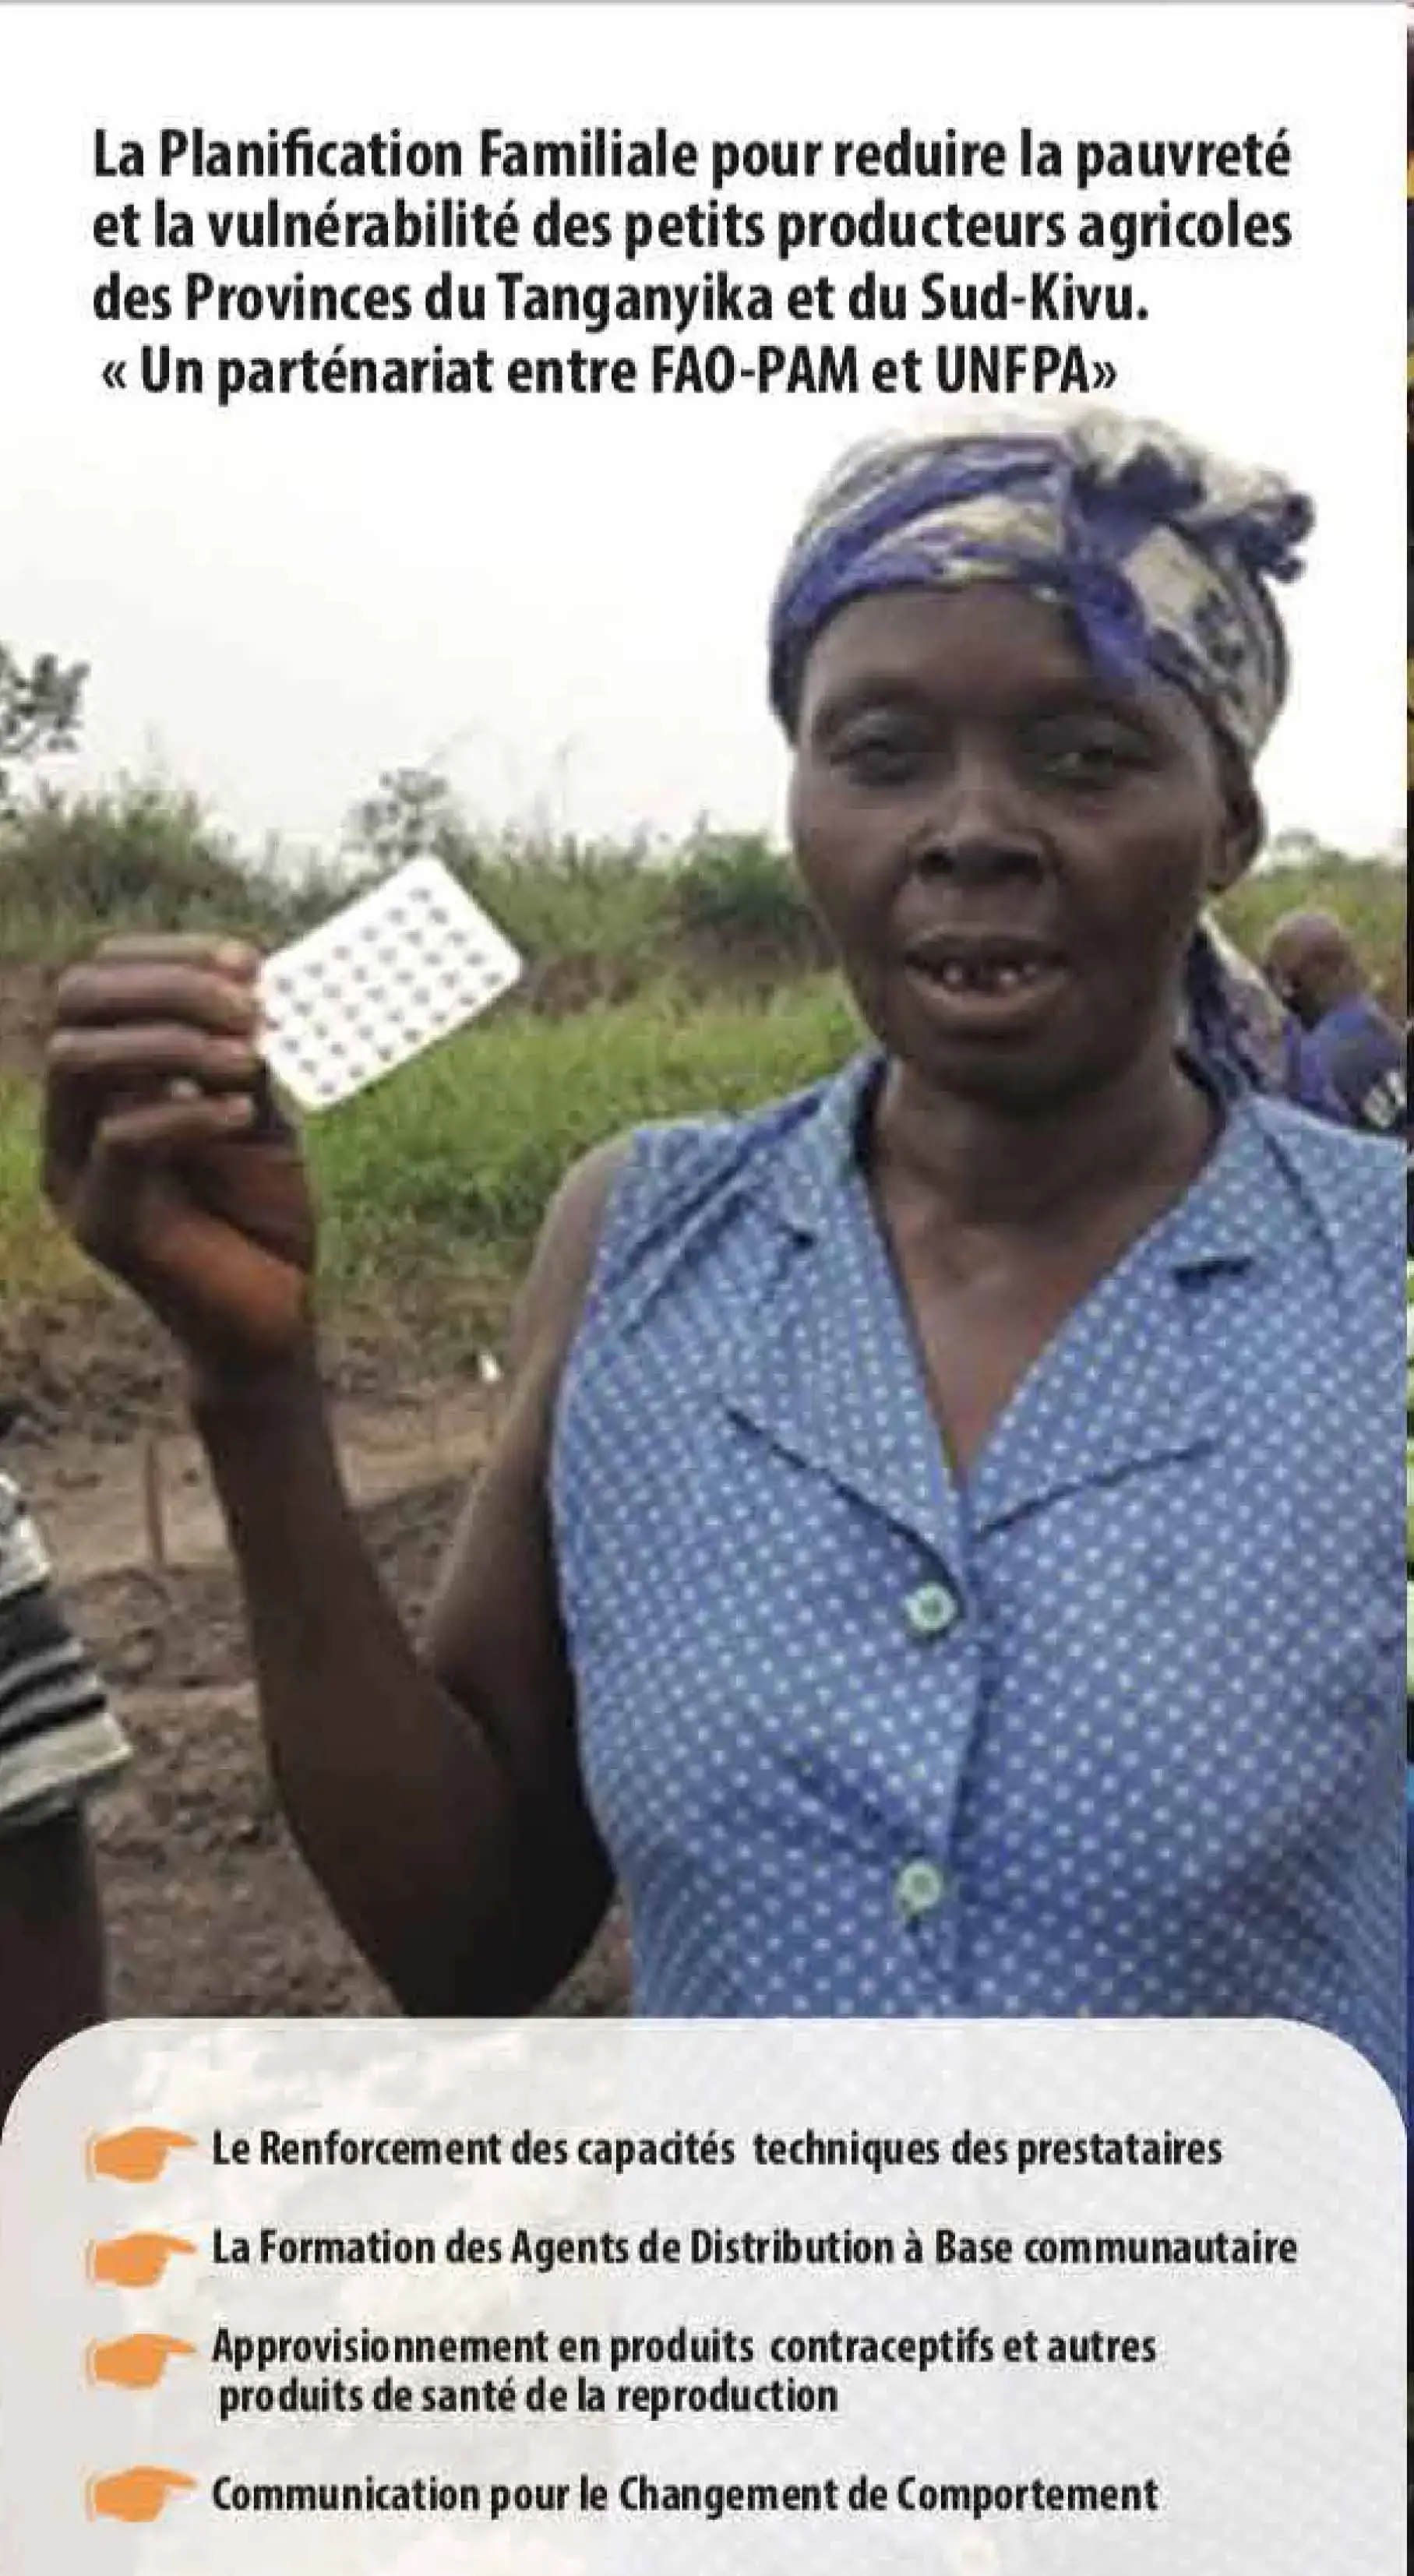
<point x="879" y="757"/>
<point x="1093" y="760"/>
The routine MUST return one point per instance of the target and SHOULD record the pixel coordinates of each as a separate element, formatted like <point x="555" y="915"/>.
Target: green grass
<point x="466" y="1147"/>
<point x="447" y="1168"/>
<point x="37" y="1263"/>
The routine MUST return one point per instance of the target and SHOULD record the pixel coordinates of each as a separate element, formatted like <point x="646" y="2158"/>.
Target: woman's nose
<point x="977" y="827"/>
<point x="979" y="858"/>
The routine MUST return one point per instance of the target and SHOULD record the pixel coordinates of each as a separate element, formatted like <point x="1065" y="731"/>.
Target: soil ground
<point x="209" y="1908"/>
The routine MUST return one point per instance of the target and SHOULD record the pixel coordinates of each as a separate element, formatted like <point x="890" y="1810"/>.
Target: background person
<point x="886" y="1571"/>
<point x="1346" y="1058"/>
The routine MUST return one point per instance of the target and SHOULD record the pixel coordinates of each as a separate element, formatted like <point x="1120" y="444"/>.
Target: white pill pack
<point x="378" y="983"/>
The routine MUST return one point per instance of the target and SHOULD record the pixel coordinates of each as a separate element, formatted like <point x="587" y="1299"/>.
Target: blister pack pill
<point x="378" y="983"/>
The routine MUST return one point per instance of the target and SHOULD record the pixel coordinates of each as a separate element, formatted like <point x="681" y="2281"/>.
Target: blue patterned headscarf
<point x="1162" y="553"/>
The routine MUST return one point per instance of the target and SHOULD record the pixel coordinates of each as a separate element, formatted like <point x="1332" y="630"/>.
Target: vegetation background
<point x="661" y="980"/>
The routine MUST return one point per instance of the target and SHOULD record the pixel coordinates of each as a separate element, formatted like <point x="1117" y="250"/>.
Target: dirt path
<point x="108" y="1508"/>
<point x="209" y="1908"/>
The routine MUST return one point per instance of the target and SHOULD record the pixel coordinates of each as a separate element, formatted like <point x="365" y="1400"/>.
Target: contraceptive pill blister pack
<point x="388" y="976"/>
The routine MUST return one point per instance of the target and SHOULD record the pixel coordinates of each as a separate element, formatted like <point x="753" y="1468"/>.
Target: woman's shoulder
<point x="669" y="1159"/>
<point x="723" y="1140"/>
<point x="1355" y="1181"/>
<point x="1344" y="1158"/>
<point x="675" y="1178"/>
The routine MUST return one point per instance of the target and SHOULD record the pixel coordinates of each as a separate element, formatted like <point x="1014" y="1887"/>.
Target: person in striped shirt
<point x="59" y="1739"/>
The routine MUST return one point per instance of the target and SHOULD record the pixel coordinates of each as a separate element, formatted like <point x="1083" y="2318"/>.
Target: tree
<point x="39" y="711"/>
<point x="412" y="815"/>
<point x="1296" y="848"/>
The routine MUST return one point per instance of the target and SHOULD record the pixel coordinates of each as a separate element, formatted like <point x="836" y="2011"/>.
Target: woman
<point x="895" y="1569"/>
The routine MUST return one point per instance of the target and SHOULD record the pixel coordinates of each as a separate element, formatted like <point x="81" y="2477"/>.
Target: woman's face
<point x="1008" y="853"/>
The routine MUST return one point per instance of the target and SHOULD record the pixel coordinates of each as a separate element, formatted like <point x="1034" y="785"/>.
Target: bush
<point x="736" y="891"/>
<point x="572" y="899"/>
<point x="144" y="856"/>
<point x="139" y="854"/>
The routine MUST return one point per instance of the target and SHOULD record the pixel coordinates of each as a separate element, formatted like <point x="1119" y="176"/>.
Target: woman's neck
<point x="1044" y="1169"/>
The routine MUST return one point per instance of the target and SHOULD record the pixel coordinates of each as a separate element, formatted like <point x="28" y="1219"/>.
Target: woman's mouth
<point x="991" y="978"/>
<point x="987" y="975"/>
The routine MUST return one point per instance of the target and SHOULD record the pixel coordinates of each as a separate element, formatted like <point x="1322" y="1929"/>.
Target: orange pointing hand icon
<point x="134" y="2495"/>
<point x="137" y="2361"/>
<point x="135" y="2262"/>
<point x="135" y="2155"/>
